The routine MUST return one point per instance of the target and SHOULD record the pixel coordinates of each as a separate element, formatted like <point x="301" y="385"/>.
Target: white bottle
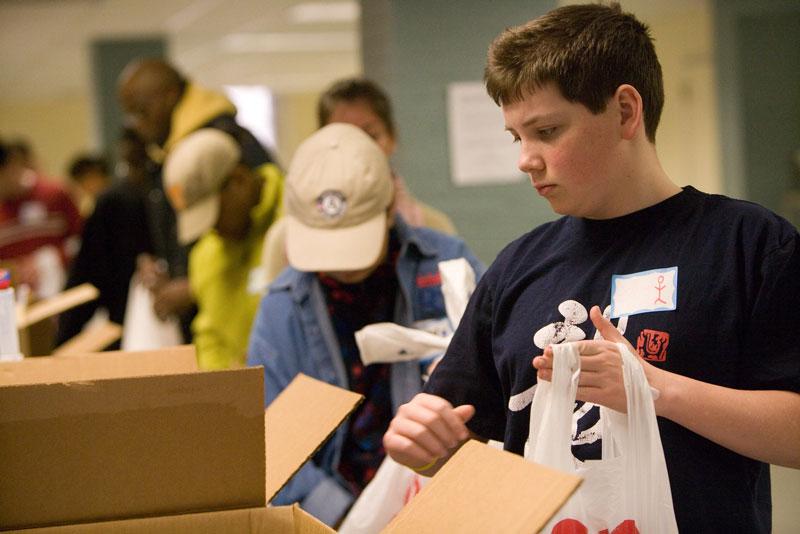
<point x="9" y="336"/>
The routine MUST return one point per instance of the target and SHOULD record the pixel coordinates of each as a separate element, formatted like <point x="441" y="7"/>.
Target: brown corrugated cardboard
<point x="56" y="304"/>
<point x="130" y="447"/>
<point x="96" y="366"/>
<point x="482" y="489"/>
<point x="304" y="416"/>
<point x="92" y="339"/>
<point x="479" y="490"/>
<point x="73" y="388"/>
<point x="278" y="520"/>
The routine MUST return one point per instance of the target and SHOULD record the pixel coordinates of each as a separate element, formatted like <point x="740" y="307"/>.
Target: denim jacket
<point x="292" y="333"/>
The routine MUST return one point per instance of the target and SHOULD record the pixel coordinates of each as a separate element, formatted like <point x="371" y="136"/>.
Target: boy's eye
<point x="515" y="139"/>
<point x="545" y="133"/>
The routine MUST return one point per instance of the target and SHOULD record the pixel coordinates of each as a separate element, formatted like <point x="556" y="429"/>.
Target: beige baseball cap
<point x="336" y="200"/>
<point x="194" y="173"/>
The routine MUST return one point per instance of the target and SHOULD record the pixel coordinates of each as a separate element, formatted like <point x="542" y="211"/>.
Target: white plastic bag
<point x="458" y="284"/>
<point x="629" y="486"/>
<point x="390" y="489"/>
<point x="143" y="330"/>
<point x="390" y="342"/>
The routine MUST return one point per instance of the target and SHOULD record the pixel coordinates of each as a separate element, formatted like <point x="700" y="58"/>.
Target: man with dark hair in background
<point x="163" y="107"/>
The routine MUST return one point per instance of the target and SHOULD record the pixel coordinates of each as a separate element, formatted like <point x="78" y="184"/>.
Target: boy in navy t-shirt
<point x="702" y="287"/>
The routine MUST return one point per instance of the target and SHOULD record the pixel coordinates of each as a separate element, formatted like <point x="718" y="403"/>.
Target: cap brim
<point x="195" y="221"/>
<point x="335" y="249"/>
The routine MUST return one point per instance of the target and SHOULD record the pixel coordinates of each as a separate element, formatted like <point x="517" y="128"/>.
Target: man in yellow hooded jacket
<point x="165" y="108"/>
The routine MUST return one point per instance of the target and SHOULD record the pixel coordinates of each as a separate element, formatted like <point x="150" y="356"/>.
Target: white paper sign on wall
<point x="481" y="151"/>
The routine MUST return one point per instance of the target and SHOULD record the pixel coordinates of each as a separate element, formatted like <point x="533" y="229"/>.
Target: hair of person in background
<point x="12" y="170"/>
<point x="587" y="62"/>
<point x="91" y="174"/>
<point x="20" y="149"/>
<point x="82" y="166"/>
<point x="355" y="90"/>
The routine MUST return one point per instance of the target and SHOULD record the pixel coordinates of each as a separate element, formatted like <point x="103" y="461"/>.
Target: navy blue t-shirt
<point x="702" y="285"/>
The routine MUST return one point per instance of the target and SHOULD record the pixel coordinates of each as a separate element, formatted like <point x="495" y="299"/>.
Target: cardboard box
<point x="84" y="449"/>
<point x="131" y="447"/>
<point x="94" y="338"/>
<point x="273" y="520"/>
<point x="482" y="489"/>
<point x="28" y="315"/>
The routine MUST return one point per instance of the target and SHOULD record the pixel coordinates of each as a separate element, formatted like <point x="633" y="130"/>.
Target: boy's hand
<point x="425" y="430"/>
<point x="601" y="379"/>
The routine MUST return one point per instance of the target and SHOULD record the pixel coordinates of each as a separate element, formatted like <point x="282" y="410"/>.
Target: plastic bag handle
<point x="551" y="411"/>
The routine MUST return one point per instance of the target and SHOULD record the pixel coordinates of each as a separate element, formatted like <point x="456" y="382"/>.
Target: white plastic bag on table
<point x="143" y="330"/>
<point x="629" y="486"/>
<point x="383" y="498"/>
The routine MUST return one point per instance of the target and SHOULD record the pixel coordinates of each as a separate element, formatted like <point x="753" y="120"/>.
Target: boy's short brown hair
<point x="587" y="50"/>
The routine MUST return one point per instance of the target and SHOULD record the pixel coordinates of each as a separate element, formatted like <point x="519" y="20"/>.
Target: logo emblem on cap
<point x="331" y="204"/>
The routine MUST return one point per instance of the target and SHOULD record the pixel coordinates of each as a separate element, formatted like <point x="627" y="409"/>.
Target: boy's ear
<point x="629" y="102"/>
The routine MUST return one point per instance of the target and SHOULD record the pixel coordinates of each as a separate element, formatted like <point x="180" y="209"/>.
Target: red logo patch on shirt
<point x="652" y="345"/>
<point x="429" y="280"/>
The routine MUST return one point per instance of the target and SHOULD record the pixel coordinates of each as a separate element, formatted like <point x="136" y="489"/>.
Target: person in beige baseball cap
<point x="226" y="207"/>
<point x="363" y="103"/>
<point x="337" y="199"/>
<point x="353" y="262"/>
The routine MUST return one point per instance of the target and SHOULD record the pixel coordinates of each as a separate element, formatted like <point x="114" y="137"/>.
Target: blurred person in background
<point x="361" y="102"/>
<point x="163" y="107"/>
<point x="353" y="261"/>
<point x="20" y="150"/>
<point x="224" y="206"/>
<point x="39" y="226"/>
<point x="90" y="176"/>
<point x="114" y="235"/>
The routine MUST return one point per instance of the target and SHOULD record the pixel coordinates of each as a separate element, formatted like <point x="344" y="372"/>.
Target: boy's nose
<point x="530" y="161"/>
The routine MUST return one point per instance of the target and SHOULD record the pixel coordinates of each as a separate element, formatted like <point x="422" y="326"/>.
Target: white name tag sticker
<point x="648" y="291"/>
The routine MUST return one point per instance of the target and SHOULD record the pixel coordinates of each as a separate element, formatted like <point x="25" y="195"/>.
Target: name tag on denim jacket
<point x="429" y="295"/>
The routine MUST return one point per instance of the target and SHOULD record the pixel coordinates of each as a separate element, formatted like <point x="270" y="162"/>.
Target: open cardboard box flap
<point x="93" y="338"/>
<point x="303" y="417"/>
<point x="159" y="452"/>
<point x="482" y="489"/>
<point x="67" y="299"/>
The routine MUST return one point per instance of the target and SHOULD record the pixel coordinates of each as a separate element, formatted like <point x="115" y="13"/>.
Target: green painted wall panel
<point x="414" y="48"/>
